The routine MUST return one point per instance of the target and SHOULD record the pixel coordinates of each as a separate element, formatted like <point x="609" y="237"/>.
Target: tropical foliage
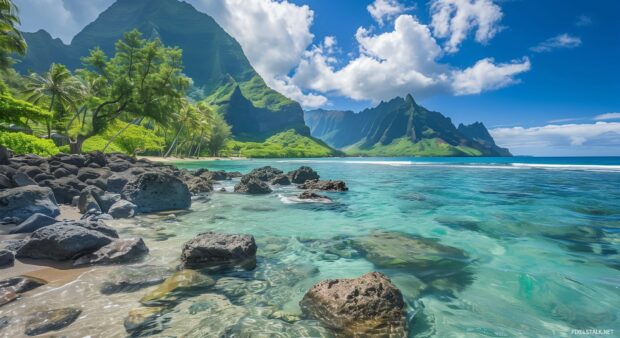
<point x="21" y="143"/>
<point x="11" y="40"/>
<point x="285" y="144"/>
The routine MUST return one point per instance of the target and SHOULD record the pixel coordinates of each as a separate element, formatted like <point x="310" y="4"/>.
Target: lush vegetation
<point x="21" y="143"/>
<point x="134" y="102"/>
<point x="285" y="144"/>
<point x="404" y="147"/>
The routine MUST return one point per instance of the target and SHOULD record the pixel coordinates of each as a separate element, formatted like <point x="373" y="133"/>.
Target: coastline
<point x="173" y="159"/>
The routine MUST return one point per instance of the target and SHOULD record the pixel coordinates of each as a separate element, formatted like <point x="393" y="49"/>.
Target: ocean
<point x="479" y="247"/>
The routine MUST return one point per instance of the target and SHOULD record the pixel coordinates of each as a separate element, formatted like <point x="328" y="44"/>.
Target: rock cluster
<point x="211" y="249"/>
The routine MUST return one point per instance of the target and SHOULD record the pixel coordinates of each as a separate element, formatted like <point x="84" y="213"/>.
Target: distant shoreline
<point x="173" y="159"/>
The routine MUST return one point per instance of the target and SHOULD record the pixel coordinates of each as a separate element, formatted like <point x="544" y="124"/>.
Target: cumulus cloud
<point x="608" y="116"/>
<point x="559" y="41"/>
<point x="398" y="62"/>
<point x="486" y="75"/>
<point x="61" y="18"/>
<point x="564" y="139"/>
<point x="386" y="9"/>
<point x="274" y="36"/>
<point x="455" y="19"/>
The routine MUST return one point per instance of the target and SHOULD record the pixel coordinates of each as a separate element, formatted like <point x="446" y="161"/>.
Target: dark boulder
<point x="31" y="171"/>
<point x="303" y="174"/>
<point x="52" y="320"/>
<point x="101" y="183"/>
<point x="152" y="192"/>
<point x="5" y="155"/>
<point x="10" y="288"/>
<point x="362" y="307"/>
<point x="61" y="242"/>
<point x="119" y="251"/>
<point x="73" y="160"/>
<point x="119" y="165"/>
<point x="20" y="203"/>
<point x="117" y="181"/>
<point x="265" y="173"/>
<point x="61" y="172"/>
<point x="73" y="170"/>
<point x="5" y="182"/>
<point x="97" y="158"/>
<point x="281" y="180"/>
<point x="199" y="184"/>
<point x="88" y="173"/>
<point x="43" y="177"/>
<point x="252" y="185"/>
<point x="219" y="175"/>
<point x="6" y="258"/>
<point x="324" y="185"/>
<point x="311" y="195"/>
<point x="21" y="179"/>
<point x="133" y="278"/>
<point x="122" y="209"/>
<point x="65" y="188"/>
<point x="34" y="223"/>
<point x="217" y="249"/>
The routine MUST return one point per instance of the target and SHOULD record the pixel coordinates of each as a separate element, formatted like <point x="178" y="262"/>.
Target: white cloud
<point x="559" y="41"/>
<point x="386" y="9"/>
<point x="608" y="116"/>
<point x="485" y="75"/>
<point x="600" y="138"/>
<point x="274" y="36"/>
<point x="61" y="18"/>
<point x="401" y="61"/>
<point x="455" y="19"/>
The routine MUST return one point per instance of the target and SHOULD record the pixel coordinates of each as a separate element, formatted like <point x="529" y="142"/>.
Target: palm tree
<point x="59" y="86"/>
<point x="11" y="40"/>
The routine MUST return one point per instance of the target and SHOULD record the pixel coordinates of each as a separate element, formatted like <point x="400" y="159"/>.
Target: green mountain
<point x="212" y="58"/>
<point x="400" y="127"/>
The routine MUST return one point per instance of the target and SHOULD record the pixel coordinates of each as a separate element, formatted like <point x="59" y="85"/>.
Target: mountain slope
<point x="400" y="127"/>
<point x="212" y="58"/>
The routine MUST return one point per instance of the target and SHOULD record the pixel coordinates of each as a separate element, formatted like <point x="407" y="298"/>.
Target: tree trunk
<point x="200" y="140"/>
<point x="174" y="142"/>
<point x="76" y="146"/>
<point x="49" y="121"/>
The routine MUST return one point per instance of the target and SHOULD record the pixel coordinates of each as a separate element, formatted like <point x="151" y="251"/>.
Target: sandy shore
<point x="199" y="159"/>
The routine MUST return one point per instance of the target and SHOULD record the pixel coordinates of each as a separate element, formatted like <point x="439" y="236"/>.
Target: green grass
<point x="284" y="144"/>
<point x="262" y="96"/>
<point x="404" y="147"/>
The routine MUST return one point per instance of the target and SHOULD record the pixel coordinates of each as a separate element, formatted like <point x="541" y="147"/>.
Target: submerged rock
<point x="171" y="290"/>
<point x="312" y="196"/>
<point x="425" y="258"/>
<point x="366" y="306"/>
<point x="252" y="185"/>
<point x="325" y="185"/>
<point x="303" y="174"/>
<point x="152" y="192"/>
<point x="62" y="242"/>
<point x="217" y="249"/>
<point x="52" y="320"/>
<point x="119" y="251"/>
<point x="144" y="320"/>
<point x="34" y="223"/>
<point x="130" y="279"/>
<point x="198" y="185"/>
<point x="20" y="203"/>
<point x="11" y="288"/>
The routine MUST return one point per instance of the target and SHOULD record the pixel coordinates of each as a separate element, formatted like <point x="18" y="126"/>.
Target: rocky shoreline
<point x="114" y="186"/>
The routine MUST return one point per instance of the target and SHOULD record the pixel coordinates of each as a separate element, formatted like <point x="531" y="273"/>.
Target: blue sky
<point x="543" y="75"/>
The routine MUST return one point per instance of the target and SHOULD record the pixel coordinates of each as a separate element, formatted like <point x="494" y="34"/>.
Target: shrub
<point x="14" y="111"/>
<point x="21" y="143"/>
<point x="97" y="143"/>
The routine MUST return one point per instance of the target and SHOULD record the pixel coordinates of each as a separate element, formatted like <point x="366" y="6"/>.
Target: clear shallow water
<point x="541" y="241"/>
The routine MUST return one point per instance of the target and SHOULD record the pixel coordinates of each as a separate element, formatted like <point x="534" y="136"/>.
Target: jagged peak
<point x="410" y="101"/>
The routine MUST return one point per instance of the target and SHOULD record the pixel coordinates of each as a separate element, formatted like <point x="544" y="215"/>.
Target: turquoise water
<point x="542" y="236"/>
<point x="519" y="247"/>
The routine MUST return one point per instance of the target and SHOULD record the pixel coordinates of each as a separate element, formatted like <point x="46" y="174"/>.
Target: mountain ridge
<point x="400" y="127"/>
